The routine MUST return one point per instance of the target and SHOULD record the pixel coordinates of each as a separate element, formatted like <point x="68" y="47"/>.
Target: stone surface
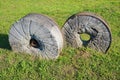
<point x="100" y="36"/>
<point x="38" y="35"/>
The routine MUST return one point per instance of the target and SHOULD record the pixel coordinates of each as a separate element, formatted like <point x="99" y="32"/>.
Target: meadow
<point x="72" y="64"/>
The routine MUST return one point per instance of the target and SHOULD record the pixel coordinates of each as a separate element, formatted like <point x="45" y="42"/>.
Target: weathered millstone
<point x="38" y="35"/>
<point x="94" y="26"/>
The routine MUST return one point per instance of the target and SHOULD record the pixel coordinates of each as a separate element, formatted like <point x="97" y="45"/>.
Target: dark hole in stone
<point x="34" y="43"/>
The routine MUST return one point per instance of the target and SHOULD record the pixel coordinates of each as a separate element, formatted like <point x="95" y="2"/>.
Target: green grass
<point x="72" y="64"/>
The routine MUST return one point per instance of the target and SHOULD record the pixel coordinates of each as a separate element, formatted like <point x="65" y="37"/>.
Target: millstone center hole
<point x="34" y="43"/>
<point x="85" y="37"/>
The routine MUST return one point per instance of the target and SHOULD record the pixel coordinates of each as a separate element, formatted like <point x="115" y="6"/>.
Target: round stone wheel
<point x="36" y="34"/>
<point x="90" y="24"/>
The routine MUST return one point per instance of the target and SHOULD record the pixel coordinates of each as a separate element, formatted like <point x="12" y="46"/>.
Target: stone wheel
<point x="38" y="35"/>
<point x="90" y="24"/>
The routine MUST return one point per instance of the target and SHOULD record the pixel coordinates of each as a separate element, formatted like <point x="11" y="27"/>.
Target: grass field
<point x="72" y="64"/>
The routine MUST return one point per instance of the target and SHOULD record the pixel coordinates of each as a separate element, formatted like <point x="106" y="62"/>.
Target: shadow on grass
<point x="4" y="43"/>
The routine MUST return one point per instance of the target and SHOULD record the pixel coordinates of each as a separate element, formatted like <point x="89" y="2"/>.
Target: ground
<point x="72" y="64"/>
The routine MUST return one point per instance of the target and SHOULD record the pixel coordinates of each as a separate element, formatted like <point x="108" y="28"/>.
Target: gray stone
<point x="100" y="36"/>
<point x="38" y="35"/>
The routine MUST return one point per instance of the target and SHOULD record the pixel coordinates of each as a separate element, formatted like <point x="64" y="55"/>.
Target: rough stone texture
<point x="41" y="31"/>
<point x="100" y="36"/>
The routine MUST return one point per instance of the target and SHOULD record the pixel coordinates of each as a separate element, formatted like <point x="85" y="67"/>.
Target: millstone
<point x="36" y="34"/>
<point x="87" y="23"/>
